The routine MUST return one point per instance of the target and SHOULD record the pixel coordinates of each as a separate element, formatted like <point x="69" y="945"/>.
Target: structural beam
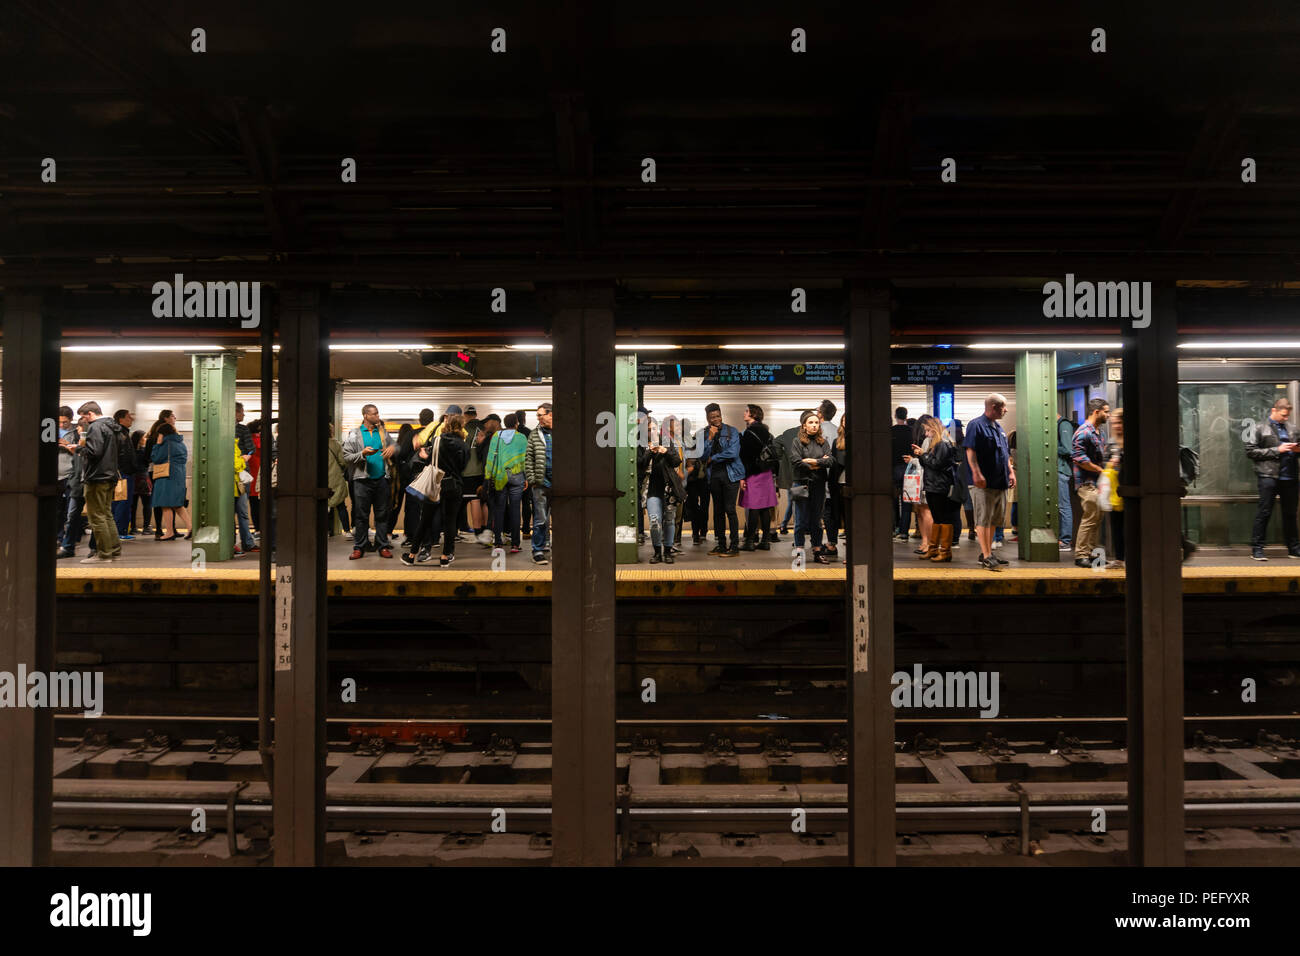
<point x="1151" y="488"/>
<point x="869" y="498"/>
<point x="29" y="504"/>
<point x="300" y="696"/>
<point x="214" y="455"/>
<point x="582" y="615"/>
<point x="626" y="405"/>
<point x="1036" y="487"/>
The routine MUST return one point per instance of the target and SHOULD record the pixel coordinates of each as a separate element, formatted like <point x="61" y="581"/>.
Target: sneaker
<point x="514" y="550"/>
<point x="65" y="553"/>
<point x="356" y="553"/>
<point x="1293" y="552"/>
<point x="1256" y="553"/>
<point x="732" y="552"/>
<point x="831" y="551"/>
<point x="1064" y="546"/>
<point x="676" y="550"/>
<point x="96" y="559"/>
<point x="1000" y="560"/>
<point x="970" y="536"/>
<point x="997" y="545"/>
<point x="717" y="551"/>
<point x="484" y="538"/>
<point x="425" y="556"/>
<point x="539" y="558"/>
<point x="408" y="559"/>
<point x="237" y="553"/>
<point x="385" y="552"/>
<point x="1082" y="563"/>
<point x="820" y="557"/>
<point x="126" y="537"/>
<point x="254" y="549"/>
<point x="445" y="560"/>
<point x="763" y="546"/>
<point x="547" y="549"/>
<point x="990" y="564"/>
<point x="956" y="542"/>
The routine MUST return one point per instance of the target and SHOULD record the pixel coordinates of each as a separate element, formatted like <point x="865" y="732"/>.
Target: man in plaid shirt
<point x="1088" y="454"/>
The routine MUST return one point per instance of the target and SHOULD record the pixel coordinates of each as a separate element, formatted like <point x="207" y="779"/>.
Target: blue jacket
<point x="728" y="454"/>
<point x="169" y="492"/>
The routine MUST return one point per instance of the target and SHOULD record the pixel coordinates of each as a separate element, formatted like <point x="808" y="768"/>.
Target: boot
<point x="944" y="552"/>
<point x="657" y="557"/>
<point x="931" y="549"/>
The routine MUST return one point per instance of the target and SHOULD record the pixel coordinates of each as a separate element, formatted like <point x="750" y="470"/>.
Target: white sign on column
<point x="284" y="618"/>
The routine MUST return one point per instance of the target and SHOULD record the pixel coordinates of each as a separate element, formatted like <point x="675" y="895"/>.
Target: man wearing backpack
<point x="100" y="478"/>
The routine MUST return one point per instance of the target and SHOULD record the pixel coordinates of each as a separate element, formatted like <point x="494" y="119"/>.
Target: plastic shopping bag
<point x="912" y="482"/>
<point x="1103" y="490"/>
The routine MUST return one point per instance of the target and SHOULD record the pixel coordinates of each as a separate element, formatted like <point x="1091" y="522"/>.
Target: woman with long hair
<point x="402" y="459"/>
<point x="165" y="417"/>
<point x="811" y="454"/>
<point x="169" y="490"/>
<point x="939" y="458"/>
<point x="1114" y="459"/>
<point x="758" y="487"/>
<point x="451" y="457"/>
<point x="924" y="519"/>
<point x="661" y="461"/>
<point x="143" y="488"/>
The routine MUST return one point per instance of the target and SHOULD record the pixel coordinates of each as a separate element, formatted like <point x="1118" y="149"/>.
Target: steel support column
<point x="626" y="477"/>
<point x="1151" y="487"/>
<point x="1036" y="487"/>
<point x="29" y="504"/>
<point x="870" y="567"/>
<point x="214" y="455"/>
<point x="582" y="615"/>
<point x="300" y="695"/>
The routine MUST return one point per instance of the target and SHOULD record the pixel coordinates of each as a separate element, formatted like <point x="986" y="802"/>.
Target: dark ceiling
<point x="476" y="168"/>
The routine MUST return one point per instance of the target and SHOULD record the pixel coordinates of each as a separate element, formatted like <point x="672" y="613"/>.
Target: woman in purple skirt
<point x="758" y="487"/>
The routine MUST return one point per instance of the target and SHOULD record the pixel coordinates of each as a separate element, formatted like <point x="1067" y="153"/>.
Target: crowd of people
<point x="125" y="484"/>
<point x="489" y="480"/>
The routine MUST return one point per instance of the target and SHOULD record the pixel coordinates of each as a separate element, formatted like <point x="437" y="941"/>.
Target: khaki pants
<point x="99" y="508"/>
<point x="1089" y="524"/>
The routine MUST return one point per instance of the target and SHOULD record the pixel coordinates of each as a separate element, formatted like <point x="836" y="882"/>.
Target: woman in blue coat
<point x="169" y="492"/>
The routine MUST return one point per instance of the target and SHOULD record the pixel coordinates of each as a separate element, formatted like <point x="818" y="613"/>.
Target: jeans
<point x="505" y="509"/>
<point x="122" y="509"/>
<point x="789" y="509"/>
<point x="1065" y="523"/>
<point x="663" y="521"/>
<point x="144" y="495"/>
<point x="370" y="493"/>
<point x="241" y="513"/>
<point x="99" y="506"/>
<point x="541" y="518"/>
<point x="832" y="513"/>
<point x="724" y="492"/>
<point x="1270" y="488"/>
<point x="903" y="509"/>
<point x="74" y="522"/>
<point x="808" y="513"/>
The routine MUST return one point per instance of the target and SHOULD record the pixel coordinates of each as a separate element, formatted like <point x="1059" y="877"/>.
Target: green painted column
<point x="213" y="456"/>
<point x="625" y="460"/>
<point x="1036" y="455"/>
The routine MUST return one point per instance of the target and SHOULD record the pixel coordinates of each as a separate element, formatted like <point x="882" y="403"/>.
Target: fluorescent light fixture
<point x="532" y="346"/>
<point x="1239" y="345"/>
<point x="644" y="347"/>
<point x="1037" y="346"/>
<point x="801" y="346"/>
<point x="380" y="347"/>
<point x="144" y="348"/>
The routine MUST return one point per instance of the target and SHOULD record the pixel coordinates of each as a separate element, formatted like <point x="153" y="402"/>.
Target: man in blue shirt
<point x="718" y="448"/>
<point x="1273" y="450"/>
<point x="366" y="452"/>
<point x="1088" y="453"/>
<point x="992" y="475"/>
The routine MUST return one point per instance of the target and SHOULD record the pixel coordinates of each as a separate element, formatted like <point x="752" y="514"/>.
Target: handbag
<point x="799" y="491"/>
<point x="119" y="490"/>
<point x="427" y="485"/>
<point x="912" y="482"/>
<point x="161" y="470"/>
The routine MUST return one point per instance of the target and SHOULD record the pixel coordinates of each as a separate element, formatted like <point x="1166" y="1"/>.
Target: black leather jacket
<point x="1263" y="450"/>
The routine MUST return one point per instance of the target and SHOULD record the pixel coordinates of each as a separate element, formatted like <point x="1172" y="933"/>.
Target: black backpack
<point x="126" y="458"/>
<point x="770" y="454"/>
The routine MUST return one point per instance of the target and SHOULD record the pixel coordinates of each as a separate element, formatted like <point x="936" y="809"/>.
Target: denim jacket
<point x="728" y="453"/>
